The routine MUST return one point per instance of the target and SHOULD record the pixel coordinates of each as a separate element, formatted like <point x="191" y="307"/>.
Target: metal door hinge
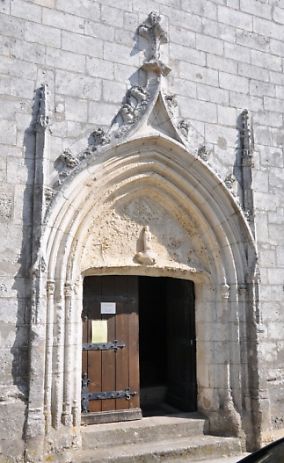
<point x="114" y="345"/>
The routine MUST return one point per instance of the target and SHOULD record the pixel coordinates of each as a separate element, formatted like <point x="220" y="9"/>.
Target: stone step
<point x="194" y="448"/>
<point x="148" y="429"/>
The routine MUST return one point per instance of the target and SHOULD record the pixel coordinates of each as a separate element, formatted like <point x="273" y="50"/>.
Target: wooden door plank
<point x="92" y="287"/>
<point x="95" y="374"/>
<point x="108" y="357"/>
<point x="134" y="344"/>
<point x="108" y="368"/>
<point x="85" y="328"/>
<point x="181" y="329"/>
<point x="122" y="335"/>
<point x="94" y="357"/>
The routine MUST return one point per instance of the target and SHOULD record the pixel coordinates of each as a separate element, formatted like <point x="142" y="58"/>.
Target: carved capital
<point x="78" y="286"/>
<point x="68" y="289"/>
<point x="50" y="287"/>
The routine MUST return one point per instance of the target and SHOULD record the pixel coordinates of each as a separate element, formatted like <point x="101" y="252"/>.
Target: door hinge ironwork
<point x="114" y="345"/>
<point x="86" y="396"/>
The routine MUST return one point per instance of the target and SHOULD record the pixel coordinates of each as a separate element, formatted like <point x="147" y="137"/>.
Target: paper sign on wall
<point x="108" y="308"/>
<point x="99" y="331"/>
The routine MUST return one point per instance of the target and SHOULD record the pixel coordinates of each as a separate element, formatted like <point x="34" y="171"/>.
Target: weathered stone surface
<point x="224" y="59"/>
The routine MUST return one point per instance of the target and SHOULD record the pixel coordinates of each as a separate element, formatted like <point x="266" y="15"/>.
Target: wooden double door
<point x="115" y="308"/>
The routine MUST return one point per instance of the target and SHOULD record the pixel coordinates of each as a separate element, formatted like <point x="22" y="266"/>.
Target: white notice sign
<point x="108" y="308"/>
<point x="99" y="331"/>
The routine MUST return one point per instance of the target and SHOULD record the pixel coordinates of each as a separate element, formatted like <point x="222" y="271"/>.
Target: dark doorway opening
<point x="167" y="345"/>
<point x="133" y="324"/>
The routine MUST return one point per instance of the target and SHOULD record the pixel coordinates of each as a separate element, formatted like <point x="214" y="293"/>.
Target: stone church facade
<point x="140" y="139"/>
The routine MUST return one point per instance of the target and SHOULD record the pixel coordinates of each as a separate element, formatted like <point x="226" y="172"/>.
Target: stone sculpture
<point x="152" y="30"/>
<point x="147" y="256"/>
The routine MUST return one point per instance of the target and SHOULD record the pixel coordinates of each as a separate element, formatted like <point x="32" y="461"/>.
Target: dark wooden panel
<point x="110" y="370"/>
<point x="85" y="339"/>
<point x="181" y="344"/>
<point x="94" y="369"/>
<point x="133" y="319"/>
<point x="95" y="374"/>
<point x="122" y="365"/>
<point x="108" y="365"/>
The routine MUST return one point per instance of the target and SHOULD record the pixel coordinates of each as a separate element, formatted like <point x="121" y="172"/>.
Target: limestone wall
<point x="225" y="55"/>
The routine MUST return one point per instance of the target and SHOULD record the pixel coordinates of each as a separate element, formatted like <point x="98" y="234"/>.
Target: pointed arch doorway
<point x="139" y="349"/>
<point x="198" y="233"/>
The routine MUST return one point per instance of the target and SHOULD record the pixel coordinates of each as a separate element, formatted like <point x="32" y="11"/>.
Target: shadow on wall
<point x="22" y="281"/>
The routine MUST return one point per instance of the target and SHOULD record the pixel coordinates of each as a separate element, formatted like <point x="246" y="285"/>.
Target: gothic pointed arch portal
<point x="141" y="200"/>
<point x="198" y="233"/>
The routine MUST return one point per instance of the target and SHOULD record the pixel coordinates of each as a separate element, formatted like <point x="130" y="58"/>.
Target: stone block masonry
<point x="225" y="56"/>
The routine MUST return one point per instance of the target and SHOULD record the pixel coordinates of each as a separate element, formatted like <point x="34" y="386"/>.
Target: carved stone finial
<point x="147" y="256"/>
<point x="69" y="160"/>
<point x="152" y="30"/>
<point x="229" y="181"/>
<point x="42" y="120"/>
<point x="246" y="139"/>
